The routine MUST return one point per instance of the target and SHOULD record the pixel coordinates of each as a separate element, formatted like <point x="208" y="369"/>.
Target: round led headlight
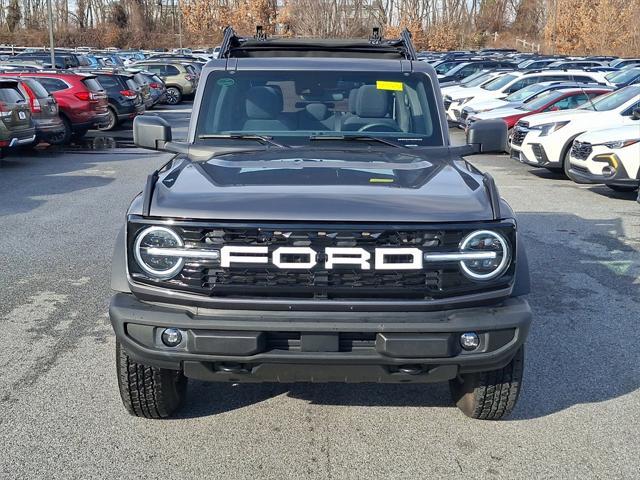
<point x="488" y="255"/>
<point x="152" y="251"/>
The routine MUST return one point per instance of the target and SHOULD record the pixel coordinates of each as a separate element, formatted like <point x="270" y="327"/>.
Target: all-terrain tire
<point x="489" y="395"/>
<point x="146" y="391"/>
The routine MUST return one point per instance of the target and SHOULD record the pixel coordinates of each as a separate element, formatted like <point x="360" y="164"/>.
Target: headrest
<point x="353" y="99"/>
<point x="263" y="103"/>
<point x="319" y="111"/>
<point x="372" y="103"/>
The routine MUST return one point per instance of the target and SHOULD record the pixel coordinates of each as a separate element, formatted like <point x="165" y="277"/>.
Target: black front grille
<point x="518" y="135"/>
<point x="581" y="150"/>
<point x="435" y="280"/>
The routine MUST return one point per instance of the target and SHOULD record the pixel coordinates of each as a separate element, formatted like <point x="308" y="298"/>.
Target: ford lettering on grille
<point x="306" y="257"/>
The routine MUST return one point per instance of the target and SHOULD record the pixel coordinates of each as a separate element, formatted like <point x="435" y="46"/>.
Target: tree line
<point x="559" y="26"/>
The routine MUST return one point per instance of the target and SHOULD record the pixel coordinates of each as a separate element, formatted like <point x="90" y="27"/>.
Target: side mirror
<point x="488" y="136"/>
<point x="151" y="132"/>
<point x="636" y="114"/>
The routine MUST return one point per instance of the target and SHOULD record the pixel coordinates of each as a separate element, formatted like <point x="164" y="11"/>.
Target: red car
<point x="549" y="101"/>
<point x="82" y="101"/>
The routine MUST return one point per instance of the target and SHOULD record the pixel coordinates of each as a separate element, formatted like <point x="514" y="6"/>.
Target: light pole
<point x="179" y="25"/>
<point x="50" y="14"/>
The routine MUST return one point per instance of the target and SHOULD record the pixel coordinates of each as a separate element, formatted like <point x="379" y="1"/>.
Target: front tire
<point x="174" y="96"/>
<point x="146" y="391"/>
<point x="489" y="395"/>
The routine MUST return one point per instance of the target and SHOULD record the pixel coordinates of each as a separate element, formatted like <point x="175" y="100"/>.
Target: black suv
<point x="317" y="226"/>
<point x="125" y="101"/>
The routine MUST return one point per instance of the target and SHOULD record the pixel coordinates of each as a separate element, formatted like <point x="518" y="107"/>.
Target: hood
<point x="628" y="132"/>
<point x="500" y="113"/>
<point x="481" y="105"/>
<point x="560" y="116"/>
<point x="466" y="92"/>
<point x="304" y="184"/>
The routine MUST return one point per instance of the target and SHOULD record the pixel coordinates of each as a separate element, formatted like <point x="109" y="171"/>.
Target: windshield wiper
<point x="357" y="138"/>
<point x="264" y="139"/>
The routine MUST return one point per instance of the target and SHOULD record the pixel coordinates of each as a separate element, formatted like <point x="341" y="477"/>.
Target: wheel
<point x="112" y="122"/>
<point x="489" y="395"/>
<point x="146" y="391"/>
<point x="566" y="163"/>
<point x="65" y="137"/>
<point x="174" y="96"/>
<point x="622" y="188"/>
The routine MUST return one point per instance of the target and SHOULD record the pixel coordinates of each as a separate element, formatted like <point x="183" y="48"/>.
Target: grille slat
<point x="581" y="150"/>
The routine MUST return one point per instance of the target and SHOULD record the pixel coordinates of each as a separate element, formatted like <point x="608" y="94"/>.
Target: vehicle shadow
<point x="582" y="347"/>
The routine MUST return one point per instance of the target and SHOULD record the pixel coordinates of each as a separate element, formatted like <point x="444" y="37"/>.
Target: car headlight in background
<point x="620" y="143"/>
<point x="496" y="250"/>
<point x="153" y="250"/>
<point x="549" y="128"/>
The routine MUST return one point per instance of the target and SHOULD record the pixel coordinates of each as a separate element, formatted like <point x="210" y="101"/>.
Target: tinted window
<point x="109" y="82"/>
<point x="92" y="84"/>
<point x="157" y="69"/>
<point x="52" y="84"/>
<point x="583" y="79"/>
<point x="499" y="82"/>
<point x="613" y="100"/>
<point x="10" y="95"/>
<point x="36" y="87"/>
<point x="170" y="70"/>
<point x="629" y="111"/>
<point x="131" y="84"/>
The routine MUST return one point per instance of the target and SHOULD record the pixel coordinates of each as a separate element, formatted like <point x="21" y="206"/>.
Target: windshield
<point x="444" y="67"/>
<point x="499" y="82"/>
<point x="623" y="76"/>
<point x="541" y="100"/>
<point x="613" y="100"/>
<point x="525" y="93"/>
<point x="327" y="103"/>
<point x="475" y="79"/>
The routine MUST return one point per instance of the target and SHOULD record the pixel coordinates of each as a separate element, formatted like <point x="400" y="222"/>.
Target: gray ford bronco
<point x="317" y="226"/>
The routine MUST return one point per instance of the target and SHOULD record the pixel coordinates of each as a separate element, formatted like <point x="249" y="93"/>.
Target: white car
<point x="511" y="82"/>
<point x="610" y="156"/>
<point x="455" y="90"/>
<point x="545" y="139"/>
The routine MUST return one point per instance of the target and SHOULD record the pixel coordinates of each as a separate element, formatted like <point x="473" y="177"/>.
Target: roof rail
<point x="233" y="45"/>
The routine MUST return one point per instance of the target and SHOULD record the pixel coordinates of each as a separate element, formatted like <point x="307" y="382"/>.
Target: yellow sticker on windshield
<point x="384" y="85"/>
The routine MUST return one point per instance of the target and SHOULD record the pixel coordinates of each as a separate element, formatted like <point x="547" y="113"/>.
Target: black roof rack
<point x="235" y="46"/>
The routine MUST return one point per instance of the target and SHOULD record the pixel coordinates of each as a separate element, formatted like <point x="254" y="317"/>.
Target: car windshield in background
<point x="395" y="105"/>
<point x="612" y="100"/>
<point x="499" y="82"/>
<point x="541" y="100"/>
<point x="623" y="76"/>
<point x="525" y="93"/>
<point x="475" y="79"/>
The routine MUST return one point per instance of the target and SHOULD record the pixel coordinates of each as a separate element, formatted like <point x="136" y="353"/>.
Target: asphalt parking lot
<point x="61" y="416"/>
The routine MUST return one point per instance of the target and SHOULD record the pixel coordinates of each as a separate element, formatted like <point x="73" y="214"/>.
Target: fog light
<point x="171" y="337"/>
<point x="608" y="171"/>
<point x="469" y="340"/>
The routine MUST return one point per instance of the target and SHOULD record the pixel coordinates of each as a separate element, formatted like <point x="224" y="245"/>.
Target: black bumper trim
<point x="435" y="349"/>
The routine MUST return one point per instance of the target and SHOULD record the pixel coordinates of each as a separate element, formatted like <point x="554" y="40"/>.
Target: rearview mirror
<point x="636" y="114"/>
<point x="151" y="132"/>
<point x="488" y="136"/>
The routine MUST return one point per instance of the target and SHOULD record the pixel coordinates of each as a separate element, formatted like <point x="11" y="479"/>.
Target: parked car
<point x="82" y="101"/>
<point x="157" y="89"/>
<point x="610" y="157"/>
<point x="465" y="69"/>
<point x="536" y="63"/>
<point x="547" y="101"/>
<point x="624" y="77"/>
<point x="44" y="109"/>
<point x="622" y="62"/>
<point x="512" y="82"/>
<point x="522" y="96"/>
<point x="575" y="64"/>
<point x="16" y="126"/>
<point x="176" y="77"/>
<point x="545" y="139"/>
<point x="125" y="102"/>
<point x="63" y="60"/>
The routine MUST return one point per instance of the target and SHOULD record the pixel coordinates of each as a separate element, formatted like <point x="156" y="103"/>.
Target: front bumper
<point x="285" y="346"/>
<point x="580" y="174"/>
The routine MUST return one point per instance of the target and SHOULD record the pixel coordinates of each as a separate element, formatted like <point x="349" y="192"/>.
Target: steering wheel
<point x="387" y="128"/>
